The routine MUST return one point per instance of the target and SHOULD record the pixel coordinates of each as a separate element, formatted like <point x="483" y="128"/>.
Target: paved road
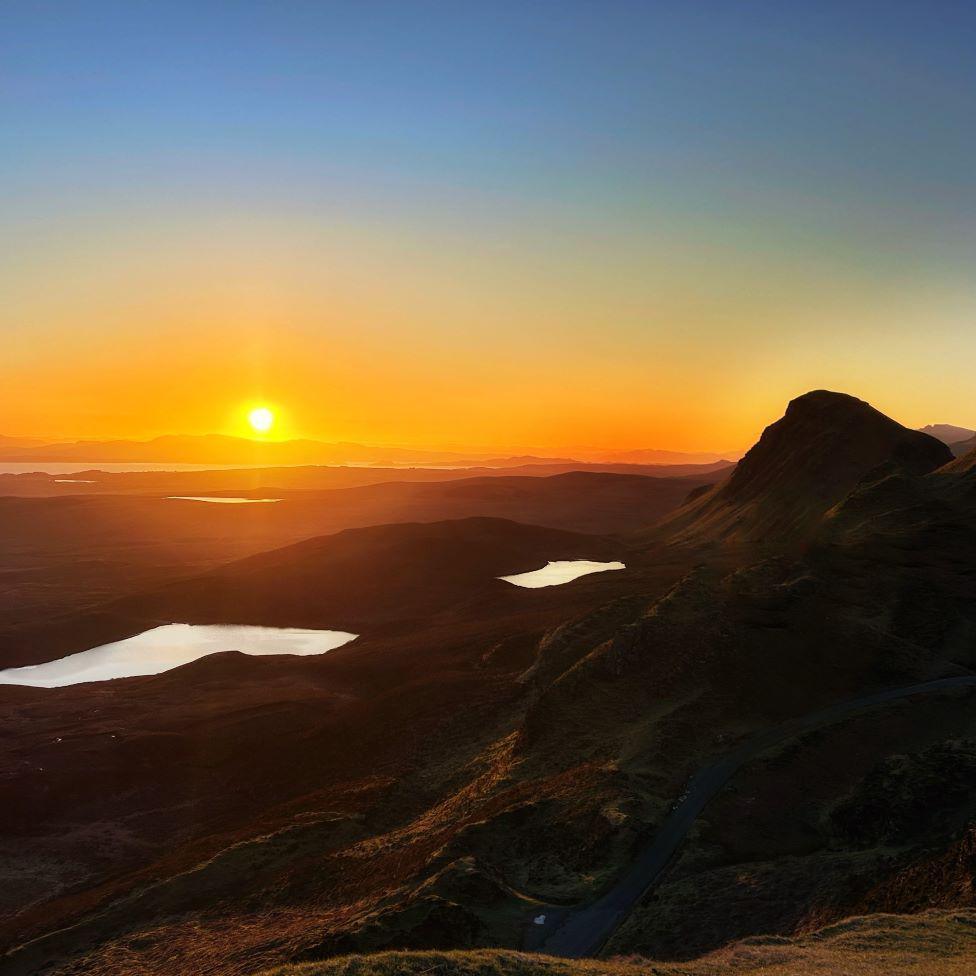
<point x="584" y="931"/>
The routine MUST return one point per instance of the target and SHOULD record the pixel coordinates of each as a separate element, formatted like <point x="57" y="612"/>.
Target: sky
<point x="544" y="222"/>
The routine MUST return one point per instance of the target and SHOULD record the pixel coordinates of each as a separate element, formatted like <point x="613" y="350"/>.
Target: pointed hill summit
<point x="803" y="465"/>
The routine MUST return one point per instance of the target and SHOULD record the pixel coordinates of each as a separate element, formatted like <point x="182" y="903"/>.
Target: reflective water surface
<point x="560" y="571"/>
<point x="222" y="499"/>
<point x="169" y="646"/>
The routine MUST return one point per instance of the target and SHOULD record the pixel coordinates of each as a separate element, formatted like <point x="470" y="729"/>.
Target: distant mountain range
<point x="8" y="443"/>
<point x="948" y="433"/>
<point x="220" y="449"/>
<point x="223" y="449"/>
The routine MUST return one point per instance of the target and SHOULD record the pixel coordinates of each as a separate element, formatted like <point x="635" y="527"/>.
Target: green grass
<point x="938" y="943"/>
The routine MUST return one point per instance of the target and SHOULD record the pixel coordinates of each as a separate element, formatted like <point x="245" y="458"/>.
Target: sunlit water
<point x="560" y="571"/>
<point x="162" y="648"/>
<point x="222" y="499"/>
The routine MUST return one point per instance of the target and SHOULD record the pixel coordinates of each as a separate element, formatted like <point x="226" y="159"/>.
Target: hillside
<point x="485" y="755"/>
<point x="962" y="448"/>
<point x="803" y="465"/>
<point x="963" y="464"/>
<point x="369" y="577"/>
<point x="882" y="597"/>
<point x="930" y="944"/>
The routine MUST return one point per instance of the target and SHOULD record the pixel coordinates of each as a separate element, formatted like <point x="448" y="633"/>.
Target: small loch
<point x="222" y="499"/>
<point x="169" y="646"/>
<point x="560" y="571"/>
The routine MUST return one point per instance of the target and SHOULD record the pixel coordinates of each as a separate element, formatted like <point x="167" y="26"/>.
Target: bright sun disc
<point x="261" y="419"/>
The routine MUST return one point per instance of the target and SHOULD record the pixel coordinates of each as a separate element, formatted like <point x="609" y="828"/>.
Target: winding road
<point x="583" y="931"/>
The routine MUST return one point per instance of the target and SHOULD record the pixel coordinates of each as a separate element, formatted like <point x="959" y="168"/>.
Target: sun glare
<point x="261" y="419"/>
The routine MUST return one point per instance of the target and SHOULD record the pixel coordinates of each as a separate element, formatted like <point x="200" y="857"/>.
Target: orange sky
<point x="631" y="226"/>
<point x="386" y="335"/>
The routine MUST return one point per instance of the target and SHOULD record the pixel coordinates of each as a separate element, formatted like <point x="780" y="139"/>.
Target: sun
<point x="261" y="419"/>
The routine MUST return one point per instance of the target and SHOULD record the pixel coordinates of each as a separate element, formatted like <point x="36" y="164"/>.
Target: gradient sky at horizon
<point x="626" y="224"/>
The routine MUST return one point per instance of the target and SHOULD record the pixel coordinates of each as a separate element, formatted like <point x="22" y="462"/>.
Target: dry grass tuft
<point x="937" y="943"/>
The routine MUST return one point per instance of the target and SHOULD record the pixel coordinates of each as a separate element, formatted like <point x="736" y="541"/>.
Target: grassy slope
<point x="838" y="823"/>
<point x="941" y="943"/>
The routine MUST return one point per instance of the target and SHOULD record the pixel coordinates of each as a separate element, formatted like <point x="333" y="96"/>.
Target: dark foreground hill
<point x="930" y="944"/>
<point x="803" y="465"/>
<point x="272" y="779"/>
<point x="509" y="754"/>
